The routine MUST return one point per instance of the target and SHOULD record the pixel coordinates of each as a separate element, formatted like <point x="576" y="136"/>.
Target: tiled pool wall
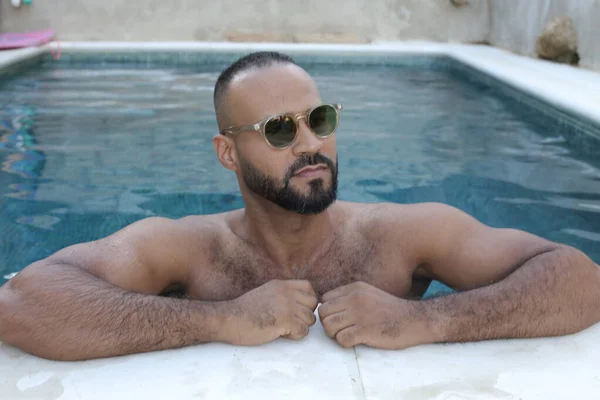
<point x="576" y="130"/>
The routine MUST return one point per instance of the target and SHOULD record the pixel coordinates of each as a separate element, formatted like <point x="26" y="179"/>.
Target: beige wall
<point x="516" y="24"/>
<point x="288" y="20"/>
<point x="510" y="24"/>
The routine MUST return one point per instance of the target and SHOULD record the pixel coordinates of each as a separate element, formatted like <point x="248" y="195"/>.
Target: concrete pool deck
<point x="316" y="368"/>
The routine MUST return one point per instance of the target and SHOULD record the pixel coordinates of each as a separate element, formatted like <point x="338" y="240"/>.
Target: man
<point x="253" y="275"/>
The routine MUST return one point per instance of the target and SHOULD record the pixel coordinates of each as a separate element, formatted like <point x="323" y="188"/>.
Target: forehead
<point x="254" y="94"/>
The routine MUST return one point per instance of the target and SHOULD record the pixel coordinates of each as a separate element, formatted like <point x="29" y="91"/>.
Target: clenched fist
<point x="363" y="314"/>
<point x="275" y="309"/>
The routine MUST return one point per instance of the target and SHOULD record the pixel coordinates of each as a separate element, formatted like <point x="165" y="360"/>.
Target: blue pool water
<point x="86" y="149"/>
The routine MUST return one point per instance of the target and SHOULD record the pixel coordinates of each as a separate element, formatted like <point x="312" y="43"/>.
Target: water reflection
<point x="17" y="154"/>
<point x="504" y="204"/>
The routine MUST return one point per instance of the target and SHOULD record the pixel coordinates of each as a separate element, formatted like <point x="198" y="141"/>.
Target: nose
<point x="306" y="141"/>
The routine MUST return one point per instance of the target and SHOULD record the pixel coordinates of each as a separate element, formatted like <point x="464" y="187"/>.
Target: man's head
<point x="301" y="177"/>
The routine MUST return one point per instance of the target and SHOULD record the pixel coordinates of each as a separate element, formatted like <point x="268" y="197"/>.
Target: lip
<point x="311" y="170"/>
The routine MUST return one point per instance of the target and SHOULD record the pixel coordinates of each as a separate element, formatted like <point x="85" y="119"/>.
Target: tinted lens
<point x="323" y="120"/>
<point x="280" y="131"/>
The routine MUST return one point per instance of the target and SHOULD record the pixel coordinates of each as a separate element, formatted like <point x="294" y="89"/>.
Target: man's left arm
<point x="511" y="285"/>
<point x="521" y="285"/>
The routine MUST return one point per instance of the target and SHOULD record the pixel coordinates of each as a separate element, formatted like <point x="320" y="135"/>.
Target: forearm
<point x="64" y="313"/>
<point x="554" y="293"/>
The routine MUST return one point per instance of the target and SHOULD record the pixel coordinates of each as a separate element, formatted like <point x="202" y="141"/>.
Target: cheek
<point x="266" y="162"/>
<point x="273" y="166"/>
<point x="329" y="149"/>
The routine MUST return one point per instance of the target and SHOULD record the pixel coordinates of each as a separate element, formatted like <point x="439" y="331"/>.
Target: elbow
<point x="585" y="283"/>
<point x="13" y="334"/>
<point x="575" y="259"/>
<point x="17" y="331"/>
<point x="577" y="265"/>
<point x="8" y="326"/>
<point x="11" y="330"/>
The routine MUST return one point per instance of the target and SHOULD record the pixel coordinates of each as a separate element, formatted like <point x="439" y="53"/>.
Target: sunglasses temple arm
<point x="237" y="129"/>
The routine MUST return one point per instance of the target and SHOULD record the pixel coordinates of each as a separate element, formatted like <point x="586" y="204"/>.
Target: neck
<point x="288" y="238"/>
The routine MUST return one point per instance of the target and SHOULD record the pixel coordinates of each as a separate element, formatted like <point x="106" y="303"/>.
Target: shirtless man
<point x="253" y="275"/>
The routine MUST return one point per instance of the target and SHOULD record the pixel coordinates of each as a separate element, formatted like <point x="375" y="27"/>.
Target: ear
<point x="225" y="148"/>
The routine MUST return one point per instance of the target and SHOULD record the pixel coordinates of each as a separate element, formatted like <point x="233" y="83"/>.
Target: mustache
<point x="306" y="161"/>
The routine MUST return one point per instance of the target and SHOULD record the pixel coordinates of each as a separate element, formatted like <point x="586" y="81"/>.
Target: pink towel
<point x="27" y="39"/>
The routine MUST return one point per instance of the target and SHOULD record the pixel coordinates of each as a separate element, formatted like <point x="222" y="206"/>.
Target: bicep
<point x="138" y="258"/>
<point x="464" y="254"/>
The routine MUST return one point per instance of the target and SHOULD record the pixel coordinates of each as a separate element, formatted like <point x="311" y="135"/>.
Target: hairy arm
<point x="99" y="299"/>
<point x="512" y="284"/>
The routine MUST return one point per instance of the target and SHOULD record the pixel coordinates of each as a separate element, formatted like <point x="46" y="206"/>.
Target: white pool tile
<point x="547" y="368"/>
<point x="314" y="368"/>
<point x="9" y="57"/>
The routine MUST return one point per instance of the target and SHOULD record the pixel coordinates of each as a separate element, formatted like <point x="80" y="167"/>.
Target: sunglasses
<point x="280" y="131"/>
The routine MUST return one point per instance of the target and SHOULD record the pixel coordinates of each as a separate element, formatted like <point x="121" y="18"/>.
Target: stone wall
<point x="510" y="24"/>
<point x="258" y="20"/>
<point x="516" y="24"/>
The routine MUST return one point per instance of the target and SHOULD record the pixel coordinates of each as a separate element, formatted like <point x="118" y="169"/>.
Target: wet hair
<point x="257" y="60"/>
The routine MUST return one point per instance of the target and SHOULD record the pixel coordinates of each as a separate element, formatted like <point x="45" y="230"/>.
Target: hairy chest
<point x="235" y="269"/>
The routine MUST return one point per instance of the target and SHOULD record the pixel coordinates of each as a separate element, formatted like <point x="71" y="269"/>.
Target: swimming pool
<point x="91" y="143"/>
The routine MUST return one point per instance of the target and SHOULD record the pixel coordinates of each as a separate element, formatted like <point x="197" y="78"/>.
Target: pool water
<point x="86" y="150"/>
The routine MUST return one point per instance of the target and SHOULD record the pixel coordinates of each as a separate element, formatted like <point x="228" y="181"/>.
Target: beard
<point x="318" y="198"/>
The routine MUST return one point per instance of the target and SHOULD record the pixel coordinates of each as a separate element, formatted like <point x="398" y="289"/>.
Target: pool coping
<point x="567" y="88"/>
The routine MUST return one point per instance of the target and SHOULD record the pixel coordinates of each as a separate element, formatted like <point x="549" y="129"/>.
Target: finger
<point x="348" y="337"/>
<point x="333" y="306"/>
<point x="341" y="291"/>
<point x="299" y="330"/>
<point x="306" y="315"/>
<point x="303" y="286"/>
<point x="336" y="322"/>
<point x="307" y="300"/>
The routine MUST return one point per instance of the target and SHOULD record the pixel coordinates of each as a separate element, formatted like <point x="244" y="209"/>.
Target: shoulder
<point x="410" y="224"/>
<point x="396" y="216"/>
<point x="410" y="232"/>
<point x="175" y="236"/>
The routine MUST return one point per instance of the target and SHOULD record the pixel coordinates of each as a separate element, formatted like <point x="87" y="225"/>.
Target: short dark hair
<point x="260" y="59"/>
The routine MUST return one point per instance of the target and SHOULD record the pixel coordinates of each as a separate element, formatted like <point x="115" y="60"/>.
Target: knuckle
<point x="362" y="297"/>
<point x="326" y="306"/>
<point x="335" y="302"/>
<point x="327" y="326"/>
<point x="345" y="339"/>
<point x="303" y="330"/>
<point x="306" y="284"/>
<point x="278" y="314"/>
<point x="266" y="319"/>
<point x="336" y="319"/>
<point x="322" y="317"/>
<point x="299" y="331"/>
<point x="329" y="331"/>
<point x="356" y="298"/>
<point x="322" y="310"/>
<point x="289" y="316"/>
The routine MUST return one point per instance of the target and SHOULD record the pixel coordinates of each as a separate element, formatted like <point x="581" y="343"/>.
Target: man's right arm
<point x="99" y="299"/>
